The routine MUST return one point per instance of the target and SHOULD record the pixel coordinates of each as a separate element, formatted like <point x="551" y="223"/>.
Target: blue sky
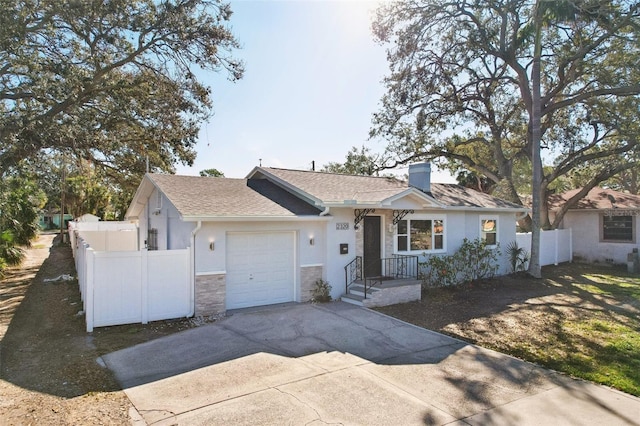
<point x="312" y="82"/>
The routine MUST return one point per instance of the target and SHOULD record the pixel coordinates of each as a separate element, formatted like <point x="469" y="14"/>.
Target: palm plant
<point x="518" y="256"/>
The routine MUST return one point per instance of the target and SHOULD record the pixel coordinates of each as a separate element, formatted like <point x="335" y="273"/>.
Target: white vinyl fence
<point x="126" y="287"/>
<point x="105" y="236"/>
<point x="555" y="246"/>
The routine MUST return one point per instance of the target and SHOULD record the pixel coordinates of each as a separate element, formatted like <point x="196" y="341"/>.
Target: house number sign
<point x="342" y="226"/>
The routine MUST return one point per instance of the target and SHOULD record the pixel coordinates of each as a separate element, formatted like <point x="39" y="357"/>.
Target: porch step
<point x="353" y="299"/>
<point x="358" y="290"/>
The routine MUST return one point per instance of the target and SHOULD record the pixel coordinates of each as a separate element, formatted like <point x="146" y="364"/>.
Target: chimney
<point x="420" y="176"/>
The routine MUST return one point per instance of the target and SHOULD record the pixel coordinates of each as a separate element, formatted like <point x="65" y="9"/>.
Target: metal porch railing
<point x="396" y="267"/>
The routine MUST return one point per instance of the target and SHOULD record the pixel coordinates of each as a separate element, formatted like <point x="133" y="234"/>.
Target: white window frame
<point x="430" y="217"/>
<point x="497" y="220"/>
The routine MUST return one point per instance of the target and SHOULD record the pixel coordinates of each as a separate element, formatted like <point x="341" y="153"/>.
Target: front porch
<point x="394" y="280"/>
<point x="388" y="292"/>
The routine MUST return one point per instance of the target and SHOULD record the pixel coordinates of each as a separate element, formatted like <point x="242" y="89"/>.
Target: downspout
<point x="326" y="253"/>
<point x="192" y="289"/>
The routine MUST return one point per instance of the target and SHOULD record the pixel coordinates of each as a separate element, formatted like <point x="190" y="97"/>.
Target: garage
<point x="260" y="268"/>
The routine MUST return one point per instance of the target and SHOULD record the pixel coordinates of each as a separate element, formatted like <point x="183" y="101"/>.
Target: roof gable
<point x="207" y="197"/>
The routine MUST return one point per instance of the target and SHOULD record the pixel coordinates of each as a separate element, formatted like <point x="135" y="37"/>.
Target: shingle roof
<point x="209" y="196"/>
<point x="597" y="198"/>
<point x="333" y="187"/>
<point x="336" y="188"/>
<point x="278" y="193"/>
<point x="459" y="196"/>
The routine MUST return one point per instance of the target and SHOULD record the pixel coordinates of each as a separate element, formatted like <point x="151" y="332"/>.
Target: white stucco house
<point x="269" y="237"/>
<point x="604" y="224"/>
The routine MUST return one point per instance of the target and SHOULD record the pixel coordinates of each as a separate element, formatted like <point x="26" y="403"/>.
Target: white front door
<point x="260" y="268"/>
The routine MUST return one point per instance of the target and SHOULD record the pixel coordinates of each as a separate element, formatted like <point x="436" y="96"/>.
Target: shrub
<point x="472" y="261"/>
<point x="518" y="256"/>
<point x="321" y="292"/>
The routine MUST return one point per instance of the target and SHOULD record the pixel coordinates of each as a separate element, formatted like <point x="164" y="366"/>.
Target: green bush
<point x="321" y="292"/>
<point x="472" y="261"/>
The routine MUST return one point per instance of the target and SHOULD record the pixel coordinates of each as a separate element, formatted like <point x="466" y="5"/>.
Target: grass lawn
<point x="603" y="346"/>
<point x="583" y="320"/>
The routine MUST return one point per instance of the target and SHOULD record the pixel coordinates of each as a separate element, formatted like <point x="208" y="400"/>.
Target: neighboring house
<point x="268" y="238"/>
<point x="604" y="224"/>
<point x="51" y="220"/>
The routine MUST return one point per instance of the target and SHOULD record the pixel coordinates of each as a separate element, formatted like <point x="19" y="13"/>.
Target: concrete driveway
<point x="340" y="364"/>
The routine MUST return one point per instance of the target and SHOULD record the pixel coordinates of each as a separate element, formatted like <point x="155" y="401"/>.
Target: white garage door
<point x="260" y="268"/>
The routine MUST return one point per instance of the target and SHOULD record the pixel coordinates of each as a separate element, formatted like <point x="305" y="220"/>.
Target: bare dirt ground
<point x="48" y="369"/>
<point x="512" y="308"/>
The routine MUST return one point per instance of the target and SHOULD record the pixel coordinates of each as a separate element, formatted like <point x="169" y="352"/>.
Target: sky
<point x="313" y="79"/>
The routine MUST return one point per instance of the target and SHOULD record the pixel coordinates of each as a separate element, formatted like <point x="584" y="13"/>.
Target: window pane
<point x="420" y="235"/>
<point x="438" y="227"/>
<point x="489" y="231"/>
<point x="402" y="243"/>
<point x="617" y="228"/>
<point x="488" y="225"/>
<point x="438" y="242"/>
<point x="490" y="239"/>
<point x="402" y="227"/>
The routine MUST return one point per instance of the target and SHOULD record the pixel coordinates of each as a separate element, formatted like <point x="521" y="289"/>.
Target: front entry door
<point x="372" y="242"/>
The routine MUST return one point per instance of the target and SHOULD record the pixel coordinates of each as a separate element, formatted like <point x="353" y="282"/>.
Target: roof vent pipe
<point x="420" y="176"/>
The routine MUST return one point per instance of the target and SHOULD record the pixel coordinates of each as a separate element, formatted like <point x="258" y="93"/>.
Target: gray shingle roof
<point x="271" y="192"/>
<point x="209" y="196"/>
<point x="459" y="196"/>
<point x="332" y="187"/>
<point x="336" y="188"/>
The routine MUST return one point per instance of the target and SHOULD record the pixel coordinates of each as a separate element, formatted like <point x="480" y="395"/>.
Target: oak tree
<point x="111" y="82"/>
<point x="461" y="87"/>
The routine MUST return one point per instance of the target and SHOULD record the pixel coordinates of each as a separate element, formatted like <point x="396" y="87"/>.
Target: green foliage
<point x="461" y="89"/>
<point x="86" y="194"/>
<point x="10" y="254"/>
<point x="211" y="173"/>
<point x="518" y="256"/>
<point x="20" y="203"/>
<point x="321" y="292"/>
<point x="357" y="162"/>
<point x="114" y="83"/>
<point x="474" y="260"/>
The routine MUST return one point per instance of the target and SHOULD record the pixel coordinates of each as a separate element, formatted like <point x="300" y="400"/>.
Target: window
<point x="489" y="231"/>
<point x="420" y="235"/>
<point x="617" y="228"/>
<point x="152" y="239"/>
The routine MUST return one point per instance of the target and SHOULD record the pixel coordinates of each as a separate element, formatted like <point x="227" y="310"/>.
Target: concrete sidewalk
<point x="338" y="363"/>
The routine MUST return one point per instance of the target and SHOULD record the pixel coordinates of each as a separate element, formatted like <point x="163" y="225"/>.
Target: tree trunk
<point x="536" y="182"/>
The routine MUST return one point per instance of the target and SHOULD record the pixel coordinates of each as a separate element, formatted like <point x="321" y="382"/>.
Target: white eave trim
<point x="489" y="209"/>
<point x="416" y="192"/>
<point x="256" y="218"/>
<point x="144" y="190"/>
<point x="428" y="207"/>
